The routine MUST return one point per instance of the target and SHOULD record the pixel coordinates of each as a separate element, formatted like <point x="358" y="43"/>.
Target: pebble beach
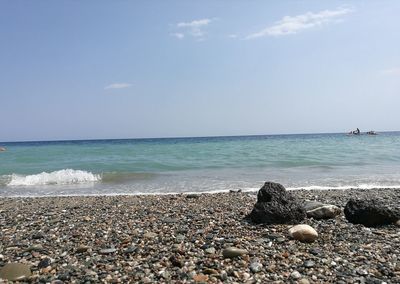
<point x="185" y="238"/>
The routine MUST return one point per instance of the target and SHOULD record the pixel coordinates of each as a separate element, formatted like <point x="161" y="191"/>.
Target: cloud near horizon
<point x="193" y="28"/>
<point x="118" y="86"/>
<point x="294" y="24"/>
<point x="391" y="71"/>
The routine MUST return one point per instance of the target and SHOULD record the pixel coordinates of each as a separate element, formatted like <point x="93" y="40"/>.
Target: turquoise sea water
<point x="199" y="164"/>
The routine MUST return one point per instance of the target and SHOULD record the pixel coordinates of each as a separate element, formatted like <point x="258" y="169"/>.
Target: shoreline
<point x="222" y="191"/>
<point x="179" y="238"/>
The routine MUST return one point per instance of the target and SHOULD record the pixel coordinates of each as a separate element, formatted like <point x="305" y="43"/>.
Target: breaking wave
<point x="66" y="176"/>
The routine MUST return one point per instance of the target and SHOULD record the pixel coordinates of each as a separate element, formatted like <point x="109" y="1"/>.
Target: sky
<point x="100" y="69"/>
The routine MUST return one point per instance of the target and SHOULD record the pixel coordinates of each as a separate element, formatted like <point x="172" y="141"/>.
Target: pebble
<point x="82" y="249"/>
<point x="303" y="233"/>
<point x="324" y="212"/>
<point x="315" y="251"/>
<point x="295" y="275"/>
<point x="210" y="271"/>
<point x="200" y="278"/>
<point x="149" y="235"/>
<point x="192" y="195"/>
<point x="233" y="252"/>
<point x="362" y="272"/>
<point x="107" y="250"/>
<point x="44" y="263"/>
<point x="180" y="238"/>
<point x="309" y="263"/>
<point x="255" y="267"/>
<point x="210" y="250"/>
<point x="15" y="271"/>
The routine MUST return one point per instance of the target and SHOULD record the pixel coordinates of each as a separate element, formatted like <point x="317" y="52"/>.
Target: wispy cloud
<point x="178" y="35"/>
<point x="391" y="71"/>
<point x="118" y="86"/>
<point x="193" y="28"/>
<point x="294" y="24"/>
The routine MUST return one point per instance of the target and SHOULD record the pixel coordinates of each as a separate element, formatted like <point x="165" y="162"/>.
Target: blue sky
<point x="127" y="69"/>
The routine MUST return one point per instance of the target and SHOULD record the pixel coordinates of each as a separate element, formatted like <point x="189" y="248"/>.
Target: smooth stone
<point x="200" y="278"/>
<point x="150" y="235"/>
<point x="324" y="212"/>
<point x="210" y="250"/>
<point x="81" y="249"/>
<point x="2" y="149"/>
<point x="303" y="233"/>
<point x="192" y="195"/>
<point x="44" y="263"/>
<point x="223" y="276"/>
<point x="362" y="272"/>
<point x="180" y="238"/>
<point x="295" y="275"/>
<point x="311" y="205"/>
<point x="210" y="271"/>
<point x="304" y="281"/>
<point x="107" y="250"/>
<point x="315" y="251"/>
<point x="233" y="252"/>
<point x="37" y="236"/>
<point x="309" y="263"/>
<point x="130" y="250"/>
<point x="398" y="223"/>
<point x="255" y="267"/>
<point x="15" y="271"/>
<point x="280" y="240"/>
<point x="36" y="248"/>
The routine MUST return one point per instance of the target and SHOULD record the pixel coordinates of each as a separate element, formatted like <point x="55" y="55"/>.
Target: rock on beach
<point x="233" y="252"/>
<point x="15" y="271"/>
<point x="275" y="205"/>
<point x="303" y="233"/>
<point x="370" y="213"/>
<point x="326" y="211"/>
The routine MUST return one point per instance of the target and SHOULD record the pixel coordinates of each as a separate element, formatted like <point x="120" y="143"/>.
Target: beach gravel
<point x="175" y="239"/>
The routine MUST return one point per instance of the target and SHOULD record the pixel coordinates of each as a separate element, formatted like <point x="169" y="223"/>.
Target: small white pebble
<point x="295" y="274"/>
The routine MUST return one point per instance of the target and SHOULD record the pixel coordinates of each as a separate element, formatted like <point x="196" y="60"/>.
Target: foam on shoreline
<point x="248" y="190"/>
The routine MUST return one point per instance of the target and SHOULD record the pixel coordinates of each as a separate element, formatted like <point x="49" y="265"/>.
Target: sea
<point x="201" y="164"/>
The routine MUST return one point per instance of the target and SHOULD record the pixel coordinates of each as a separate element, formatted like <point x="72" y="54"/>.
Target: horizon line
<point x="185" y="137"/>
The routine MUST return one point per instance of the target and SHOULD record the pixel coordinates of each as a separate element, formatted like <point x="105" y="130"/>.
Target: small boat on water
<point x="358" y="132"/>
<point x="355" y="132"/>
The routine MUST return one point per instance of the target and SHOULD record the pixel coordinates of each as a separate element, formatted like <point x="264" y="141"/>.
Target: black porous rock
<point x="275" y="205"/>
<point x="370" y="213"/>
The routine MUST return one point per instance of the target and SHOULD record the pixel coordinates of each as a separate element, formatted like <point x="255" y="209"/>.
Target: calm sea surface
<point x="199" y="164"/>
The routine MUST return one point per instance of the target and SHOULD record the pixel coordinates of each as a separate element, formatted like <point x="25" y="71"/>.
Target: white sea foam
<point x="346" y="187"/>
<point x="66" y="176"/>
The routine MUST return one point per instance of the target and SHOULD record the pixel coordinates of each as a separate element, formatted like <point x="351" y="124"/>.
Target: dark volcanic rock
<point x="370" y="213"/>
<point x="275" y="205"/>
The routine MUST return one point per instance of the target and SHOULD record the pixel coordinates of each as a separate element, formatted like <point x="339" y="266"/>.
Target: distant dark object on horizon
<point x="358" y="132"/>
<point x="355" y="132"/>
